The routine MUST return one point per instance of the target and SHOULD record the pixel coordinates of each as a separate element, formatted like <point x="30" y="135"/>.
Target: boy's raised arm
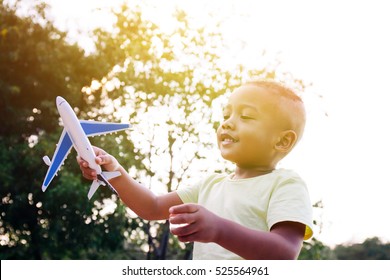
<point x="141" y="200"/>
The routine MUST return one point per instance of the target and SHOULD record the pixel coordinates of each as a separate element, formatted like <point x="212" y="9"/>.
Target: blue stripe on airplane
<point x="93" y="127"/>
<point x="63" y="150"/>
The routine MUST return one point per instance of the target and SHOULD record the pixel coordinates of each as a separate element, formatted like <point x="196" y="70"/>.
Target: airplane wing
<point x="93" y="128"/>
<point x="63" y="148"/>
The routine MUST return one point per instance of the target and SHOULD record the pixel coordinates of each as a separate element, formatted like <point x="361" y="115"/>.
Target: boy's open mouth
<point x="226" y="138"/>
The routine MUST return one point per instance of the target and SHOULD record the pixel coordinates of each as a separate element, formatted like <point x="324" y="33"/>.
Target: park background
<point x="167" y="68"/>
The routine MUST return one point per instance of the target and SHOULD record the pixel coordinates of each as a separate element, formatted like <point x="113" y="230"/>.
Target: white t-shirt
<point x="257" y="203"/>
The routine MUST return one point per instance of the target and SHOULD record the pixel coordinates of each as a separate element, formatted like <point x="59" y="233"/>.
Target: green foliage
<point x="36" y="65"/>
<point x="315" y="250"/>
<point x="370" y="249"/>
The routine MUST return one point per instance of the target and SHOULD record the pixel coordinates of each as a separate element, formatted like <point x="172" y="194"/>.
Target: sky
<point x="342" y="49"/>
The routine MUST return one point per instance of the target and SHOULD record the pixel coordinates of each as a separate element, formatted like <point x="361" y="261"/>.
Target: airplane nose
<point x="59" y="100"/>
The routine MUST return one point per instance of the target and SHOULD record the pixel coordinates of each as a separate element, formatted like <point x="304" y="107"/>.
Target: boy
<point x="258" y="212"/>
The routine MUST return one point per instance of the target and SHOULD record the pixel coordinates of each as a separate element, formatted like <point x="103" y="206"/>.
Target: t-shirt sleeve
<point x="189" y="194"/>
<point x="290" y="201"/>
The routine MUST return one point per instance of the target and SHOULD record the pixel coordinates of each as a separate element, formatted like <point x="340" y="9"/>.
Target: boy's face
<point x="251" y="128"/>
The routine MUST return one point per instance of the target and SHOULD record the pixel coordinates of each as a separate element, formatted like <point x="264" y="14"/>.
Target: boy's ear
<point x="286" y="141"/>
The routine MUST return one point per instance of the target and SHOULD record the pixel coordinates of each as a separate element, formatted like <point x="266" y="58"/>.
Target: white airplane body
<point x="76" y="134"/>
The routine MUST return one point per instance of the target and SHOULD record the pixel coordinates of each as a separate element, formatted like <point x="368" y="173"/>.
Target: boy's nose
<point x="228" y="124"/>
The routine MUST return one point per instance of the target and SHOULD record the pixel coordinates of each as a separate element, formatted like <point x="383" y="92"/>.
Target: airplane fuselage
<point x="76" y="133"/>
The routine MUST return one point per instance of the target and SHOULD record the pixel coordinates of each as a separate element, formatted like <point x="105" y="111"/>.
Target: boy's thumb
<point x="99" y="160"/>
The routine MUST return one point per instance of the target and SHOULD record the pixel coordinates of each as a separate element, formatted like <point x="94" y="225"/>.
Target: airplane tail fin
<point x="103" y="180"/>
<point x="93" y="188"/>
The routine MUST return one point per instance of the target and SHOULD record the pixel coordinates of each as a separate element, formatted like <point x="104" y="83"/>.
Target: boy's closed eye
<point x="244" y="117"/>
<point x="226" y="114"/>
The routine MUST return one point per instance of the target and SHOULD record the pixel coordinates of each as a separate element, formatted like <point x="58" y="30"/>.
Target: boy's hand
<point x="107" y="161"/>
<point x="202" y="225"/>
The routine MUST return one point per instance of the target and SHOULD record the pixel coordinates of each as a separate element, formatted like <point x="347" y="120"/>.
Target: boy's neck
<point x="245" y="173"/>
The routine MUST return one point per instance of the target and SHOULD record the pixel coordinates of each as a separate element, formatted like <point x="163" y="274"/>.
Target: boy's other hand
<point x="202" y="225"/>
<point x="107" y="161"/>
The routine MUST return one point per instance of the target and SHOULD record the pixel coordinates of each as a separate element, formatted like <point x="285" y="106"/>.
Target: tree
<point x="370" y="249"/>
<point x="36" y="64"/>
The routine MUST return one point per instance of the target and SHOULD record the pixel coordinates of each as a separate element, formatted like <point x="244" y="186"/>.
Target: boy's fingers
<point x="89" y="174"/>
<point x="98" y="160"/>
<point x="181" y="218"/>
<point x="84" y="164"/>
<point x="102" y="159"/>
<point x="81" y="162"/>
<point x="184" y="230"/>
<point x="184" y="208"/>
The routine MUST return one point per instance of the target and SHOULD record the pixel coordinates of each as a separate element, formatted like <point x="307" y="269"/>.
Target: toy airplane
<point x="76" y="134"/>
